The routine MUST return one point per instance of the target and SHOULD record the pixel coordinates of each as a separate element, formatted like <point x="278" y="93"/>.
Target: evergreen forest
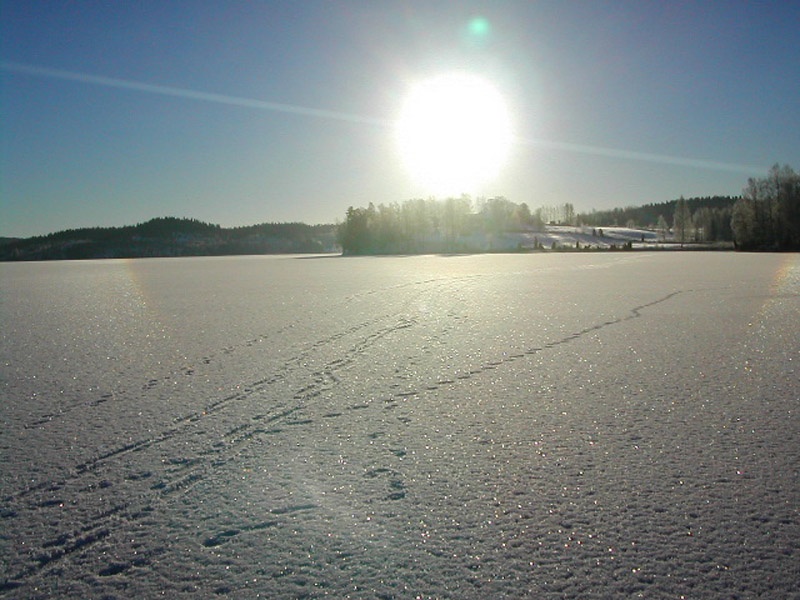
<point x="172" y="236"/>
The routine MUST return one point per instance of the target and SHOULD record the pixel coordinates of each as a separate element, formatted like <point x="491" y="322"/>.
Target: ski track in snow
<point x="118" y="493"/>
<point x="180" y="475"/>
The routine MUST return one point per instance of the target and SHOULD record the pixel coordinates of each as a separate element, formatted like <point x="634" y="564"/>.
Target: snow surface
<point x="595" y="237"/>
<point x="500" y="426"/>
<point x="566" y="237"/>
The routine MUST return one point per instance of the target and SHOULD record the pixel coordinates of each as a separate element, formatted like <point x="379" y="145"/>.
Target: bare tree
<point x="767" y="216"/>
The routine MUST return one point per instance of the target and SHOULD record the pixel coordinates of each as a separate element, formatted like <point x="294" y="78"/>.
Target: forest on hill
<point x="172" y="236"/>
<point x="648" y="216"/>
<point x="765" y="217"/>
<point x="464" y="225"/>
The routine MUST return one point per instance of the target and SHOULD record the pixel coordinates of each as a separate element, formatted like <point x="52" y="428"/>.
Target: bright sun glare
<point x="454" y="133"/>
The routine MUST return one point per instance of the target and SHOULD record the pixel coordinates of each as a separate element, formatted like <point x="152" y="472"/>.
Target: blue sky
<point x="243" y="112"/>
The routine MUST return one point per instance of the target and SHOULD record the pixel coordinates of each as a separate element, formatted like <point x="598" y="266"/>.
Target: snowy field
<point x="607" y="425"/>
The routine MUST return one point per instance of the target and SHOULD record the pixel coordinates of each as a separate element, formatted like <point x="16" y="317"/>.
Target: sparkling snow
<point x="545" y="425"/>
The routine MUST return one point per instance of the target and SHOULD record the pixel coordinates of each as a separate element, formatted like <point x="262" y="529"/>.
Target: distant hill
<point x="171" y="236"/>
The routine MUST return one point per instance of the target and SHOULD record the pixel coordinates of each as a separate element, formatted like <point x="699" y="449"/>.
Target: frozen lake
<point x="546" y="426"/>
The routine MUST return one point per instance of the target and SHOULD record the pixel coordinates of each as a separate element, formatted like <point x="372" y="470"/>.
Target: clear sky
<point x="244" y="112"/>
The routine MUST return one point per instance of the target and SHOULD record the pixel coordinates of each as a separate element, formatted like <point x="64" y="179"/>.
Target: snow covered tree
<point x="682" y="221"/>
<point x="662" y="227"/>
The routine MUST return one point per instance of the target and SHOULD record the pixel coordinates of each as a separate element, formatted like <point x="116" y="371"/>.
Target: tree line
<point x="703" y="224"/>
<point x="450" y="225"/>
<point x="701" y="219"/>
<point x="767" y="216"/>
<point x="171" y="236"/>
<point x="464" y="225"/>
<point x="647" y="216"/>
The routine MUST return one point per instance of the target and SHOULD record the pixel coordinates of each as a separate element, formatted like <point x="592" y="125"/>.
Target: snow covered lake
<point x="499" y="426"/>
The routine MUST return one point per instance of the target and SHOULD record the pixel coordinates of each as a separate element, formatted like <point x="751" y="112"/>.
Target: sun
<point x="453" y="133"/>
